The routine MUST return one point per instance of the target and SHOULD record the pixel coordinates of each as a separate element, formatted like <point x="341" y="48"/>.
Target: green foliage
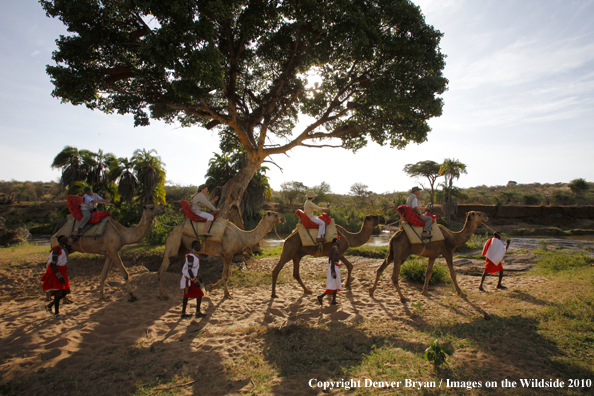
<point x="562" y="198"/>
<point x="553" y="262"/>
<point x="428" y="169"/>
<point x="414" y="270"/>
<point x="375" y="252"/>
<point x="436" y="353"/>
<point x="293" y="192"/>
<point x="163" y="225"/>
<point x="242" y="67"/>
<point x="579" y="186"/>
<point x="223" y="168"/>
<point x="531" y="199"/>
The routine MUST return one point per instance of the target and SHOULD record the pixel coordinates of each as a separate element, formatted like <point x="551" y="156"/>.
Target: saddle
<point x="190" y="214"/>
<point x="413" y="226"/>
<point x="74" y="202"/>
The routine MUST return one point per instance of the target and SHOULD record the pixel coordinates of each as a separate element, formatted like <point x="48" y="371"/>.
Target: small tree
<point x="429" y="169"/>
<point x="579" y="186"/>
<point x="293" y="191"/>
<point x="360" y="194"/>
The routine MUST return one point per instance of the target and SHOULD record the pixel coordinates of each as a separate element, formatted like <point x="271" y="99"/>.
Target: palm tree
<point x="450" y="169"/>
<point x="76" y="165"/>
<point x="122" y="171"/>
<point x="150" y="174"/>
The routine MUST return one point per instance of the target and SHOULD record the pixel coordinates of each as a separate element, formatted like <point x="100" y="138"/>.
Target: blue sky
<point x="519" y="106"/>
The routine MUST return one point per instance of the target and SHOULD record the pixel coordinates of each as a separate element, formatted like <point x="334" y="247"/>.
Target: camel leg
<point x="296" y="275"/>
<point x="172" y="245"/>
<point x="378" y="274"/>
<point x="104" y="273"/>
<point x="226" y="274"/>
<point x="350" y="271"/>
<point x="395" y="276"/>
<point x="450" y="261"/>
<point x="115" y="257"/>
<point x="428" y="275"/>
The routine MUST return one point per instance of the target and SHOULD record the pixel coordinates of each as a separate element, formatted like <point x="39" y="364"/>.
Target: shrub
<point x="414" y="270"/>
<point x="532" y="199"/>
<point x="163" y="225"/>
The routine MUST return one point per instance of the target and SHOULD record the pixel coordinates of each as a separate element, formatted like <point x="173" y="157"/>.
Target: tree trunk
<point x="229" y="204"/>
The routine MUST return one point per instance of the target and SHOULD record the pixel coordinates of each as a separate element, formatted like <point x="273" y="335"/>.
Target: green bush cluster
<point x="415" y="269"/>
<point x="163" y="225"/>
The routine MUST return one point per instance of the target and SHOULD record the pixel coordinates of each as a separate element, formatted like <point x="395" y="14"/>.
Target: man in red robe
<point x="494" y="251"/>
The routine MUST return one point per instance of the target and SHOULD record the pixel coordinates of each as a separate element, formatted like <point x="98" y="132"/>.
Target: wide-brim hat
<point x="415" y="189"/>
<point x="311" y="194"/>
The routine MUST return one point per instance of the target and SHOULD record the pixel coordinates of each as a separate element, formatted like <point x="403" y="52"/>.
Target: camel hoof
<point x="307" y="291"/>
<point x="274" y="296"/>
<point x="404" y="300"/>
<point x="371" y="291"/>
<point x="163" y="297"/>
<point x="132" y="298"/>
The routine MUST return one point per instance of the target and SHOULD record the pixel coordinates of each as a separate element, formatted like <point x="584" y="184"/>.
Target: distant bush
<point x="531" y="199"/>
<point x="375" y="252"/>
<point x="562" y="198"/>
<point x="414" y="270"/>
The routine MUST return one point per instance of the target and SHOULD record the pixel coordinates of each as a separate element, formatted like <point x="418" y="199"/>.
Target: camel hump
<point x="308" y="235"/>
<point x="414" y="232"/>
<point x="191" y="228"/>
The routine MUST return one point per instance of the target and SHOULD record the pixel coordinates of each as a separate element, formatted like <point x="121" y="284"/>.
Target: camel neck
<point x="360" y="238"/>
<point x="250" y="238"/>
<point x="466" y="233"/>
<point x="135" y="234"/>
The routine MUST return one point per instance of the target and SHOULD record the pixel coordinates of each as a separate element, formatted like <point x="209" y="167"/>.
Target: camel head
<point x="374" y="220"/>
<point x="273" y="217"/>
<point x="476" y="217"/>
<point x="152" y="210"/>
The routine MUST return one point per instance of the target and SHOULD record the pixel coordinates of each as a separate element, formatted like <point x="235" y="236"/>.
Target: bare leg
<point x="350" y="269"/>
<point x="482" y="280"/>
<point x="499" y="285"/>
<point x="104" y="273"/>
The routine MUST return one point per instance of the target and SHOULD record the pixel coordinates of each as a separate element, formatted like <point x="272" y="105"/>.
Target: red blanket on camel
<point x="408" y="214"/>
<point x="74" y="202"/>
<point x="306" y="221"/>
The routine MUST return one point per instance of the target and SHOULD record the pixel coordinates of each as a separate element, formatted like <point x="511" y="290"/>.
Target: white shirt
<point x="200" y="202"/>
<point x="87" y="203"/>
<point x="185" y="274"/>
<point x="412" y="201"/>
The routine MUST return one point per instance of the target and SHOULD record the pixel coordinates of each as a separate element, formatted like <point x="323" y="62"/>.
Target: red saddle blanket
<point x="408" y="214"/>
<point x="74" y="202"/>
<point x="189" y="213"/>
<point x="306" y="221"/>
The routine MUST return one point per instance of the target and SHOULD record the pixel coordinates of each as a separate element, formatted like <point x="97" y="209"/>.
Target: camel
<point x="399" y="248"/>
<point x="234" y="240"/>
<point x="294" y="250"/>
<point x="111" y="242"/>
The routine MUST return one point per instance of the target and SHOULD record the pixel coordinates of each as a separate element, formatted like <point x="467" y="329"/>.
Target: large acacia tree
<point x="242" y="66"/>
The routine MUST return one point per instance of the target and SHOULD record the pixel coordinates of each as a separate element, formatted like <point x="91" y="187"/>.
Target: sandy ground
<point x="114" y="345"/>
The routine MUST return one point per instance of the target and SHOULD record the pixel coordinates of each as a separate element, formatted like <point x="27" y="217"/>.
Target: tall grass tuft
<point x="414" y="270"/>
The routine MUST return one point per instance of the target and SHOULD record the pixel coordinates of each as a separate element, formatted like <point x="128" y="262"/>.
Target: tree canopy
<point x="428" y="169"/>
<point x="244" y="67"/>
